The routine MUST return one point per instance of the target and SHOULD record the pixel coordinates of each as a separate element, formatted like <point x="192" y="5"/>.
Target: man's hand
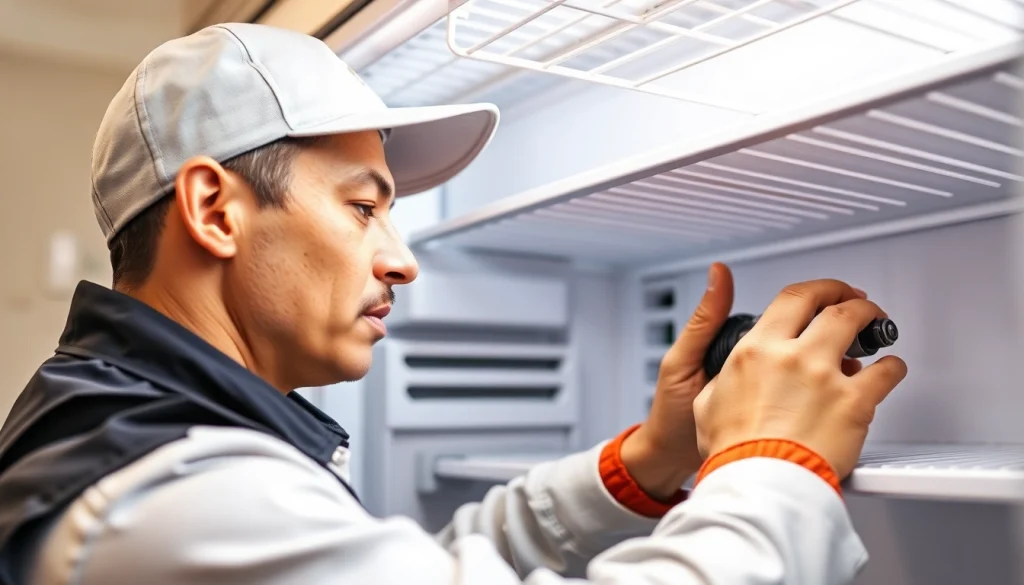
<point x="785" y="379"/>
<point x="663" y="453"/>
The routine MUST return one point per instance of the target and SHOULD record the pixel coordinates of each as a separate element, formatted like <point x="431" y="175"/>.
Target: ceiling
<point x="117" y="34"/>
<point x="112" y="34"/>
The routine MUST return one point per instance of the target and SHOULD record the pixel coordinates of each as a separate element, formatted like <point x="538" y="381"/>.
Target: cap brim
<point x="427" y="146"/>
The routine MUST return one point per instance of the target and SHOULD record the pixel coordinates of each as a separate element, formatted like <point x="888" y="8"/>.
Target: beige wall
<point x="48" y="117"/>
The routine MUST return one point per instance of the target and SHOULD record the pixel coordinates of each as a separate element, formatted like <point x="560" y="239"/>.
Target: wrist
<point x="785" y="449"/>
<point x="659" y="472"/>
<point x="622" y="486"/>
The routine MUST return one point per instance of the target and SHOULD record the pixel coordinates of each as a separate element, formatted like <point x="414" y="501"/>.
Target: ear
<point x="210" y="205"/>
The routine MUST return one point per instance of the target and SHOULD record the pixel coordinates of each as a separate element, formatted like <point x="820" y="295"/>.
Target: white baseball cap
<point x="230" y="88"/>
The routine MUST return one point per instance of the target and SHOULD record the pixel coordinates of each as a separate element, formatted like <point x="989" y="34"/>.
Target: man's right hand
<point x="785" y="378"/>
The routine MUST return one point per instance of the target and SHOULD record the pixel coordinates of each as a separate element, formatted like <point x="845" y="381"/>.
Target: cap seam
<point x="154" y="154"/>
<point x="145" y="127"/>
<point x="248" y="59"/>
<point x="263" y="73"/>
<point x="271" y="82"/>
<point x="105" y="217"/>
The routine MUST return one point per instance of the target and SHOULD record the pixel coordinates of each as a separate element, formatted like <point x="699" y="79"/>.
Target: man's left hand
<point x="662" y="453"/>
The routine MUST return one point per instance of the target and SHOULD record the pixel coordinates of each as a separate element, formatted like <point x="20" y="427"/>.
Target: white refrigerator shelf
<point x="972" y="472"/>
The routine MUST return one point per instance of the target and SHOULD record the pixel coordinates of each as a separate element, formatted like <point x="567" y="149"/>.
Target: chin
<point x="346" y="362"/>
<point x="335" y="373"/>
<point x="352" y="374"/>
<point x="354" y="364"/>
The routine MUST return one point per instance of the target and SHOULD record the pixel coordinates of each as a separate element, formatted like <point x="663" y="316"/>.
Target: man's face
<point x="315" y="278"/>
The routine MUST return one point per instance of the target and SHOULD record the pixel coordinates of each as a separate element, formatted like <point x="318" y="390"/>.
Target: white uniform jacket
<point x="233" y="506"/>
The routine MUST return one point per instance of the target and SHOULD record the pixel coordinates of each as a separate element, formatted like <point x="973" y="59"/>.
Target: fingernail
<point x="860" y="293"/>
<point x="712" y="278"/>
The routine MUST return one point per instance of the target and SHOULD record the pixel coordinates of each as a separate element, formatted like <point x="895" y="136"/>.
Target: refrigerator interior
<point x="876" y="141"/>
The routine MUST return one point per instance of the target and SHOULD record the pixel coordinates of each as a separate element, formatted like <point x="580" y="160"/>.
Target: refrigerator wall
<point x="877" y="142"/>
<point x="955" y="293"/>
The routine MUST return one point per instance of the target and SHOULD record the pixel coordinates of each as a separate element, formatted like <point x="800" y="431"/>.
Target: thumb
<point x="709" y="316"/>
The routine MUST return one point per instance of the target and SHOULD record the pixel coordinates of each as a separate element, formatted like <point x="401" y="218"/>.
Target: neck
<point x="204" y="315"/>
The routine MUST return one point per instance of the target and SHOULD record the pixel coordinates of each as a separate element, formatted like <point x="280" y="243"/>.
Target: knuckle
<point x="799" y="290"/>
<point x="815" y="288"/>
<point x="788" y="357"/>
<point x="839" y="312"/>
<point x="807" y="366"/>
<point x="853" y="310"/>
<point x="819" y="371"/>
<point x="776" y="355"/>
<point x="833" y="284"/>
<point x="745" y="354"/>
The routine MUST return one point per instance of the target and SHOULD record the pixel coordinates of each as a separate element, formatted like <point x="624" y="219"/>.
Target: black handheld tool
<point x="878" y="334"/>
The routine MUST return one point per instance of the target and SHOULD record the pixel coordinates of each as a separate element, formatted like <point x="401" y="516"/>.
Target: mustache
<point x="387" y="297"/>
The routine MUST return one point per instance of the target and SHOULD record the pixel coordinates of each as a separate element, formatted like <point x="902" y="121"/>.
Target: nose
<point x="395" y="262"/>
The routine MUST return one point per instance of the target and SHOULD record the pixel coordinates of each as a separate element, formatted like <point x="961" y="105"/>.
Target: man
<point x="240" y="179"/>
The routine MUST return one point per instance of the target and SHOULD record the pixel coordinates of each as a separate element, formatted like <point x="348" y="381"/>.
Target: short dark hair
<point x="267" y="170"/>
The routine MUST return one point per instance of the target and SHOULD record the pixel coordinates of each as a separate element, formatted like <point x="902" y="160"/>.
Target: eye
<point x="364" y="209"/>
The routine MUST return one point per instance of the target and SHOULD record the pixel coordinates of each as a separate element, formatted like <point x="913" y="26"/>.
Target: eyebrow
<point x="374" y="178"/>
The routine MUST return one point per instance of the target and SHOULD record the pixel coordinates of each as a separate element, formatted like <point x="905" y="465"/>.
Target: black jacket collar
<point x="129" y="334"/>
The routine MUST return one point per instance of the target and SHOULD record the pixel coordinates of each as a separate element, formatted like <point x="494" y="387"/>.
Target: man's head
<point x="244" y="177"/>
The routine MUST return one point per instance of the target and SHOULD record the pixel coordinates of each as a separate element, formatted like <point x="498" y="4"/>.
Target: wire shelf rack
<point x="647" y="45"/>
<point x="423" y="71"/>
<point x="506" y="51"/>
<point x="938" y="147"/>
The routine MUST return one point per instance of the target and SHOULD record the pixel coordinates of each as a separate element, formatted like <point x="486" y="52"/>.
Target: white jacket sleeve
<point x="232" y="506"/>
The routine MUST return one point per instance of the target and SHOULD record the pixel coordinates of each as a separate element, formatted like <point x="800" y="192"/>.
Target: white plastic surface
<point x="485" y="299"/>
<point x="943" y="142"/>
<point x="974" y="473"/>
<point x="494" y="468"/>
<point x="980" y="473"/>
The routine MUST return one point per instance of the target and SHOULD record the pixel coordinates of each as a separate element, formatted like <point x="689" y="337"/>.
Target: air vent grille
<point x="439" y="384"/>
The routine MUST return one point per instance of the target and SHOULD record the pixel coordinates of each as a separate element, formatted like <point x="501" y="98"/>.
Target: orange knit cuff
<point x="624" y="488"/>
<point x="779" y="449"/>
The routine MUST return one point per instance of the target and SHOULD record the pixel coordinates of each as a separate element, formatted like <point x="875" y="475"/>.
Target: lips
<point x="375" y="318"/>
<point x="379" y="312"/>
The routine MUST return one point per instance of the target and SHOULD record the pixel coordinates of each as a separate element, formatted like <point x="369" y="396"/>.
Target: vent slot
<point x="482" y="392"/>
<point x="660" y="299"/>
<point x="494" y="363"/>
<point x="661" y="334"/>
